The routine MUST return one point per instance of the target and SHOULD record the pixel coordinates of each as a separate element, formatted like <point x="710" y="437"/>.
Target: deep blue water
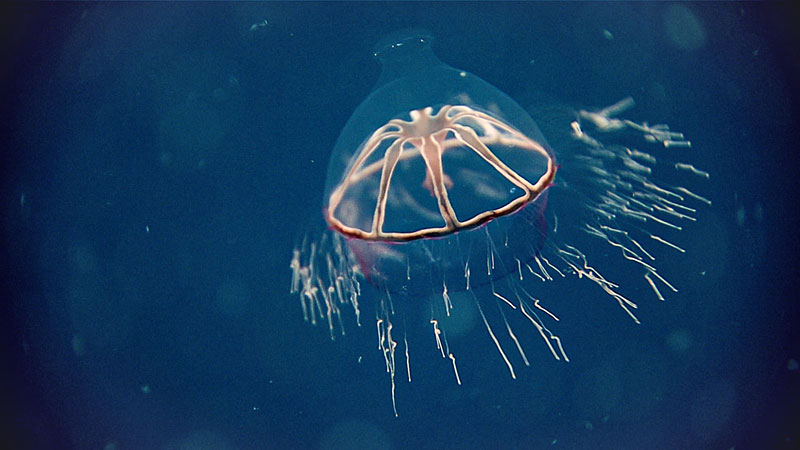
<point x="161" y="161"/>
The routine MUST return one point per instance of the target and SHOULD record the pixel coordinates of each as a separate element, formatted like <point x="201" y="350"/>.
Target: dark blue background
<point x="160" y="161"/>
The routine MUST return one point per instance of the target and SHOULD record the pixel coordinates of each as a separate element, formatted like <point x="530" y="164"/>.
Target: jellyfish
<point x="441" y="183"/>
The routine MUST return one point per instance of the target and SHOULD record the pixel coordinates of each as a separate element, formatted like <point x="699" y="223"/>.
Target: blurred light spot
<point x="679" y="340"/>
<point x="355" y="434"/>
<point x="83" y="259"/>
<point x="233" y="296"/>
<point x="199" y="440"/>
<point x="741" y="215"/>
<point x="188" y="132"/>
<point x="684" y="28"/>
<point x="78" y="346"/>
<point x="758" y="212"/>
<point x="712" y="409"/>
<point x="598" y="391"/>
<point x="462" y="318"/>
